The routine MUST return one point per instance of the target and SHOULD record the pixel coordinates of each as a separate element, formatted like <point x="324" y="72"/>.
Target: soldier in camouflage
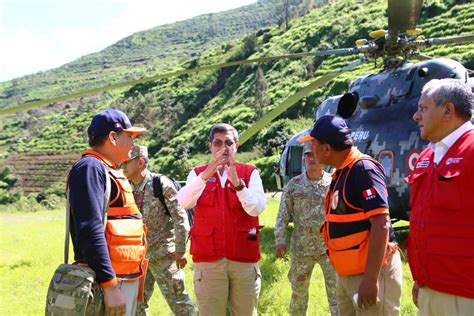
<point x="303" y="198"/>
<point x="167" y="235"/>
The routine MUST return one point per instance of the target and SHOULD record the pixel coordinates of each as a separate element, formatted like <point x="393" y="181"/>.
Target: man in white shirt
<point x="440" y="252"/>
<point x="225" y="242"/>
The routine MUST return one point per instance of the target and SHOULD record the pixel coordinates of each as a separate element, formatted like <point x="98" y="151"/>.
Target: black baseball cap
<point x="329" y="129"/>
<point x="112" y="120"/>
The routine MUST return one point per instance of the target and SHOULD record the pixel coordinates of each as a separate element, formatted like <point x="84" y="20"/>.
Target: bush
<point x="7" y="181"/>
<point x="7" y="197"/>
<point x="267" y="173"/>
<point x="25" y="203"/>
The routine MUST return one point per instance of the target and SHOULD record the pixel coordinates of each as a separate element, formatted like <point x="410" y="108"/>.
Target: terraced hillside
<point x="37" y="171"/>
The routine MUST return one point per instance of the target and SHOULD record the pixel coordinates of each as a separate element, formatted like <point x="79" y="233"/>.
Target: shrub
<point x="267" y="173"/>
<point x="7" y="181"/>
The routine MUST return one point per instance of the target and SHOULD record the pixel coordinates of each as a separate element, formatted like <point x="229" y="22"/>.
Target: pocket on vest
<point x="202" y="241"/>
<point x="126" y="260"/>
<point x="447" y="189"/>
<point x="350" y="261"/>
<point x="247" y="243"/>
<point x="127" y="245"/>
<point x="208" y="196"/>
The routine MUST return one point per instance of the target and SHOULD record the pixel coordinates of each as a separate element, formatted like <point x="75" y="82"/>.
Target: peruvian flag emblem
<point x="369" y="193"/>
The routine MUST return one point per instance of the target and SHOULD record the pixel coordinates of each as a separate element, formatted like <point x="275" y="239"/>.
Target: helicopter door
<point x="295" y="161"/>
<point x="386" y="160"/>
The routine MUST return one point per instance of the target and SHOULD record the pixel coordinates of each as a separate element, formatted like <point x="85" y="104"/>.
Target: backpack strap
<point x="158" y="191"/>
<point x="108" y="186"/>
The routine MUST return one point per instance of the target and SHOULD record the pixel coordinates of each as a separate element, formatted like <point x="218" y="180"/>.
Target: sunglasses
<point x="219" y="143"/>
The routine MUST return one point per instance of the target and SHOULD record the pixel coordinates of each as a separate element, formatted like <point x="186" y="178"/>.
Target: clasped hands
<point x="218" y="162"/>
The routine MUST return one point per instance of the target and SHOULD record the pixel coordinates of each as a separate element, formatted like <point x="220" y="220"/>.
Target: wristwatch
<point x="240" y="186"/>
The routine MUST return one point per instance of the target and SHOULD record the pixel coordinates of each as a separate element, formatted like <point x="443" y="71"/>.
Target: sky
<point x="37" y="35"/>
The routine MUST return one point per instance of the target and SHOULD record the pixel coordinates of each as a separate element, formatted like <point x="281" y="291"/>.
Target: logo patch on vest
<point x="211" y="179"/>
<point x="369" y="194"/>
<point x="452" y="160"/>
<point x="423" y="164"/>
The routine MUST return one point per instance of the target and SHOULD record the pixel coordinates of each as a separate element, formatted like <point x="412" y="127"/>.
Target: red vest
<point x="441" y="240"/>
<point x="221" y="226"/>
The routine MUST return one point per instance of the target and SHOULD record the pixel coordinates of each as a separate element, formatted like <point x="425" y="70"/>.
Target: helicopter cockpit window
<point x="386" y="160"/>
<point x="294" y="162"/>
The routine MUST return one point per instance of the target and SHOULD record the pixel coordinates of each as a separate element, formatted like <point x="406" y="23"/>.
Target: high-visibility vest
<point x="221" y="226"/>
<point x="441" y="240"/>
<point x="125" y="231"/>
<point x="346" y="229"/>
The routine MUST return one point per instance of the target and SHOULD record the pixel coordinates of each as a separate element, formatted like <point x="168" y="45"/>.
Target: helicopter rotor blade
<point x="38" y="103"/>
<point x="440" y="41"/>
<point x="403" y="14"/>
<point x="450" y="40"/>
<point x="290" y="101"/>
<point x="34" y="104"/>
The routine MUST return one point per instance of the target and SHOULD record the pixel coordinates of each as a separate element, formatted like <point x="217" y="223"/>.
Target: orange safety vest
<point x="125" y="231"/>
<point x="346" y="230"/>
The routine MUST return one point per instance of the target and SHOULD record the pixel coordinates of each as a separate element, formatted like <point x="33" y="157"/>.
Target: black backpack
<point x="158" y="193"/>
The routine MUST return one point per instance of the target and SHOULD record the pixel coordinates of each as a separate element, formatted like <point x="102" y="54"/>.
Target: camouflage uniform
<point x="304" y="199"/>
<point x="165" y="237"/>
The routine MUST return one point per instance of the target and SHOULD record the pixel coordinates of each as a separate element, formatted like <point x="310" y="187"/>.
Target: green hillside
<point x="144" y="53"/>
<point x="179" y="111"/>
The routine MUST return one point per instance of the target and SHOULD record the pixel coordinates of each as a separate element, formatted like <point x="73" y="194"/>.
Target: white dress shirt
<point x="441" y="148"/>
<point x="252" y="197"/>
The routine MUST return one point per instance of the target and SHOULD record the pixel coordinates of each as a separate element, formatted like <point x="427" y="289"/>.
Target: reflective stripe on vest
<point x="125" y="231"/>
<point x="346" y="230"/>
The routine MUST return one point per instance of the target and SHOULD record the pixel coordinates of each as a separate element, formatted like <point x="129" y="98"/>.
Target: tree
<point x="306" y="6"/>
<point x="260" y="90"/>
<point x="140" y="109"/>
<point x="168" y="114"/>
<point x="284" y="10"/>
<point x="248" y="48"/>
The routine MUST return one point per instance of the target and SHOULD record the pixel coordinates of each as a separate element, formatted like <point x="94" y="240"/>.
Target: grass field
<point x="31" y="245"/>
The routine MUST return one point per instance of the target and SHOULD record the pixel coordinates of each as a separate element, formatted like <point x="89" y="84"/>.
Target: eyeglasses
<point x="220" y="143"/>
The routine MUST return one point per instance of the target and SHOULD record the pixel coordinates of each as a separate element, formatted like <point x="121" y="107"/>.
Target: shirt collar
<point x="449" y="140"/>
<point x="350" y="158"/>
<point x="100" y="156"/>
<point x="325" y="178"/>
<point x="140" y="187"/>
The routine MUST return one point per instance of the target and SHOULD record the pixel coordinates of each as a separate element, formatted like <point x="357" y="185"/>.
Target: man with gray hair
<point x="167" y="230"/>
<point x="440" y="252"/>
<point x="225" y="239"/>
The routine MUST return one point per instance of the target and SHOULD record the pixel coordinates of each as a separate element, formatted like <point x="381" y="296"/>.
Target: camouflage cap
<point x="139" y="151"/>
<point x="307" y="148"/>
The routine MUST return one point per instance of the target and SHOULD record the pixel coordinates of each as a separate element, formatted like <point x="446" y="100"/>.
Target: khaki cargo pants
<point x="390" y="291"/>
<point x="224" y="282"/>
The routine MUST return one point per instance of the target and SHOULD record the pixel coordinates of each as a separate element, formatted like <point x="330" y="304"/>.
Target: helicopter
<point x="374" y="106"/>
<point x="378" y="108"/>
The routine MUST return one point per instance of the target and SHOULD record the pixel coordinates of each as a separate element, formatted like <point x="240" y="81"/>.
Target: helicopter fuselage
<point x="379" y="110"/>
